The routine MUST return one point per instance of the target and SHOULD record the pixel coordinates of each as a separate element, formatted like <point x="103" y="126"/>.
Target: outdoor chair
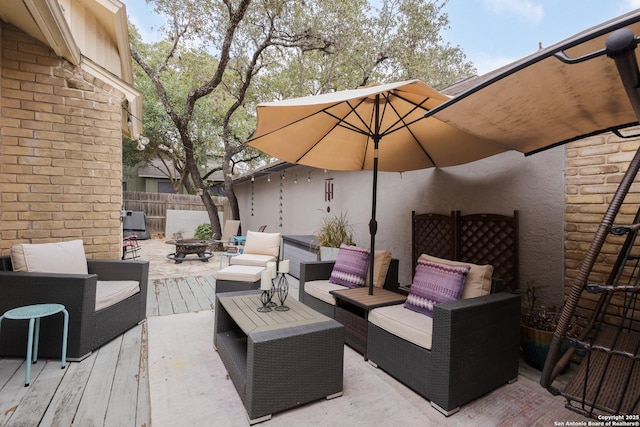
<point x="259" y="249"/>
<point x="104" y="298"/>
<point x="315" y="285"/>
<point x="231" y="227"/>
<point x="465" y="349"/>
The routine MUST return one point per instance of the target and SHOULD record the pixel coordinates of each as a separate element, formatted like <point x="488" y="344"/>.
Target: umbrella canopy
<point x="543" y="100"/>
<point x="376" y="127"/>
<point x="583" y="86"/>
<point x="336" y="130"/>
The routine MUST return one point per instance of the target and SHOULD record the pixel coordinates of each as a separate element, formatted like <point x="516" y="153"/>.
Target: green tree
<point x="219" y="58"/>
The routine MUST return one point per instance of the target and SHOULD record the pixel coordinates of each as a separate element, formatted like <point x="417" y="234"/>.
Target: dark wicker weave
<point x="475" y="349"/>
<point x="321" y="270"/>
<point x="279" y="366"/>
<point x="355" y="327"/>
<point x="88" y="329"/>
<point x="235" y="286"/>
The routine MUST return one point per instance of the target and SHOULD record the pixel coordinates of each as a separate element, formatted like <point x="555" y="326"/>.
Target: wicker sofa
<point x="321" y="270"/>
<point x="89" y="328"/>
<point x="466" y="349"/>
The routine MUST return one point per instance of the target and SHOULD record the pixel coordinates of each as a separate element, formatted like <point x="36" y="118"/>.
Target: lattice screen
<point x="478" y="238"/>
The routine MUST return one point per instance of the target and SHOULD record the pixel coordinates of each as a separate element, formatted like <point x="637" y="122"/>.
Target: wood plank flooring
<point x="108" y="388"/>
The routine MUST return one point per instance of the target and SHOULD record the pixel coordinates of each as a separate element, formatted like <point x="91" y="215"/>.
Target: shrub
<point x="203" y="231"/>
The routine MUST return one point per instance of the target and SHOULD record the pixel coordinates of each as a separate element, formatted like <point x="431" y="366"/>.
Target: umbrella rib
<point x="340" y="122"/>
<point x="407" y="125"/>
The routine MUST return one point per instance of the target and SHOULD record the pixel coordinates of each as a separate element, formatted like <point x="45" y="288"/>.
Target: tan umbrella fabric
<point x="335" y="130"/>
<point x="376" y="127"/>
<point x="545" y="100"/>
<point x="540" y="101"/>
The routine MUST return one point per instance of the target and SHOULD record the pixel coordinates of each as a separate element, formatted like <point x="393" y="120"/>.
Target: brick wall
<point x="60" y="150"/>
<point x="595" y="167"/>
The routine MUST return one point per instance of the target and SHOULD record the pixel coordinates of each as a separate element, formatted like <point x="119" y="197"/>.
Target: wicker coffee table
<point x="280" y="359"/>
<point x="352" y="310"/>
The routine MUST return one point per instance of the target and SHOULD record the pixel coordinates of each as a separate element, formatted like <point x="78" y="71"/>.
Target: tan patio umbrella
<point x="379" y="127"/>
<point x="585" y="85"/>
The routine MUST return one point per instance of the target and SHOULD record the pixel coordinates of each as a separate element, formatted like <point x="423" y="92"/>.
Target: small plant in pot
<point x="334" y="231"/>
<point x="537" y="325"/>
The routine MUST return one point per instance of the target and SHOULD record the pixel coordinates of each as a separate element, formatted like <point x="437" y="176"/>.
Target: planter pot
<point x="328" y="254"/>
<point x="535" y="345"/>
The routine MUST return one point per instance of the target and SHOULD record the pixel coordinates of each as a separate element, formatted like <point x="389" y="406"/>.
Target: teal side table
<point x="34" y="313"/>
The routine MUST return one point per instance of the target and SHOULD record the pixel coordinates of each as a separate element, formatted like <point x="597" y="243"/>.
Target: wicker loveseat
<point x="467" y="348"/>
<point x="90" y="326"/>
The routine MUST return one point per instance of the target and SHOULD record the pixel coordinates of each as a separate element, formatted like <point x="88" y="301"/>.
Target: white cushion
<point x="262" y="243"/>
<point x="109" y="292"/>
<point x="321" y="289"/>
<point x="61" y="257"/>
<point x="252" y="259"/>
<point x="478" y="280"/>
<point x="404" y="323"/>
<point x="240" y="273"/>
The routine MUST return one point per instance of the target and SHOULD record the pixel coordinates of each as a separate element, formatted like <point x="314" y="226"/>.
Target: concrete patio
<point x="165" y="372"/>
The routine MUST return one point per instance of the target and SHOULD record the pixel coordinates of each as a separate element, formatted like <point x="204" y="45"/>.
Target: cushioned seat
<point x="406" y="324"/>
<point x="109" y="292"/>
<point x="99" y="310"/>
<point x="318" y="279"/>
<point x="321" y="289"/>
<point x="256" y="260"/>
<point x="238" y="278"/>
<point x="259" y="249"/>
<point x="455" y="341"/>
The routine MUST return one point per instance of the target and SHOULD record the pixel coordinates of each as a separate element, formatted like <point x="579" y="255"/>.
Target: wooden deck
<point x="111" y="386"/>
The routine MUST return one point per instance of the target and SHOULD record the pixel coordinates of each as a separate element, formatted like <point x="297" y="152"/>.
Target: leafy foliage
<point x="203" y="231"/>
<point x="334" y="231"/>
<point x="219" y="58"/>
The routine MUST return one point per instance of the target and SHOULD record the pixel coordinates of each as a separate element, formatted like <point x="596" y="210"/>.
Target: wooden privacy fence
<point x="155" y="206"/>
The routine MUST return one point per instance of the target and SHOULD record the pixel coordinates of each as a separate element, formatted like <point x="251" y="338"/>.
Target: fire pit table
<point x="190" y="246"/>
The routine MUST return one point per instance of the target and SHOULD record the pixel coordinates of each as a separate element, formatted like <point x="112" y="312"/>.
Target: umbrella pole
<point x="373" y="224"/>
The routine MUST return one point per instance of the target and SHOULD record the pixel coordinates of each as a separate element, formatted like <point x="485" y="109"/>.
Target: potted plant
<point x="537" y="325"/>
<point x="333" y="231"/>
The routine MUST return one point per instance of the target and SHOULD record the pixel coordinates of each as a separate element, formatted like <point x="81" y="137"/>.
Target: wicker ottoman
<point x="238" y="278"/>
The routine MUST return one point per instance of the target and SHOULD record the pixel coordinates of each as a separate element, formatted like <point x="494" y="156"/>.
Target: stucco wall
<point x="60" y="152"/>
<point x="501" y="184"/>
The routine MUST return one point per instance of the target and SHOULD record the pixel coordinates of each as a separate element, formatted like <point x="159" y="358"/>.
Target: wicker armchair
<point x="88" y="328"/>
<point x="475" y="349"/>
<point x="321" y="270"/>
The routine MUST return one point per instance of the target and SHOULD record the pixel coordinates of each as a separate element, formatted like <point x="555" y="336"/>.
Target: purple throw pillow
<point x="351" y="265"/>
<point x="435" y="283"/>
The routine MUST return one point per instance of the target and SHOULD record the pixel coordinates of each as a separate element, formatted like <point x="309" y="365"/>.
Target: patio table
<point x="280" y="359"/>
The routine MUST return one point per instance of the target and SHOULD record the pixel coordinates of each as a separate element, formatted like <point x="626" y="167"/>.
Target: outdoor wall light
<point x="295" y="179"/>
<point x="268" y="178"/>
<point x="309" y="177"/>
<point x="252" y="178"/>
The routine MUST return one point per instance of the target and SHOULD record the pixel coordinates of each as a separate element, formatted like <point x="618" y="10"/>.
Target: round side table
<point x="34" y="313"/>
